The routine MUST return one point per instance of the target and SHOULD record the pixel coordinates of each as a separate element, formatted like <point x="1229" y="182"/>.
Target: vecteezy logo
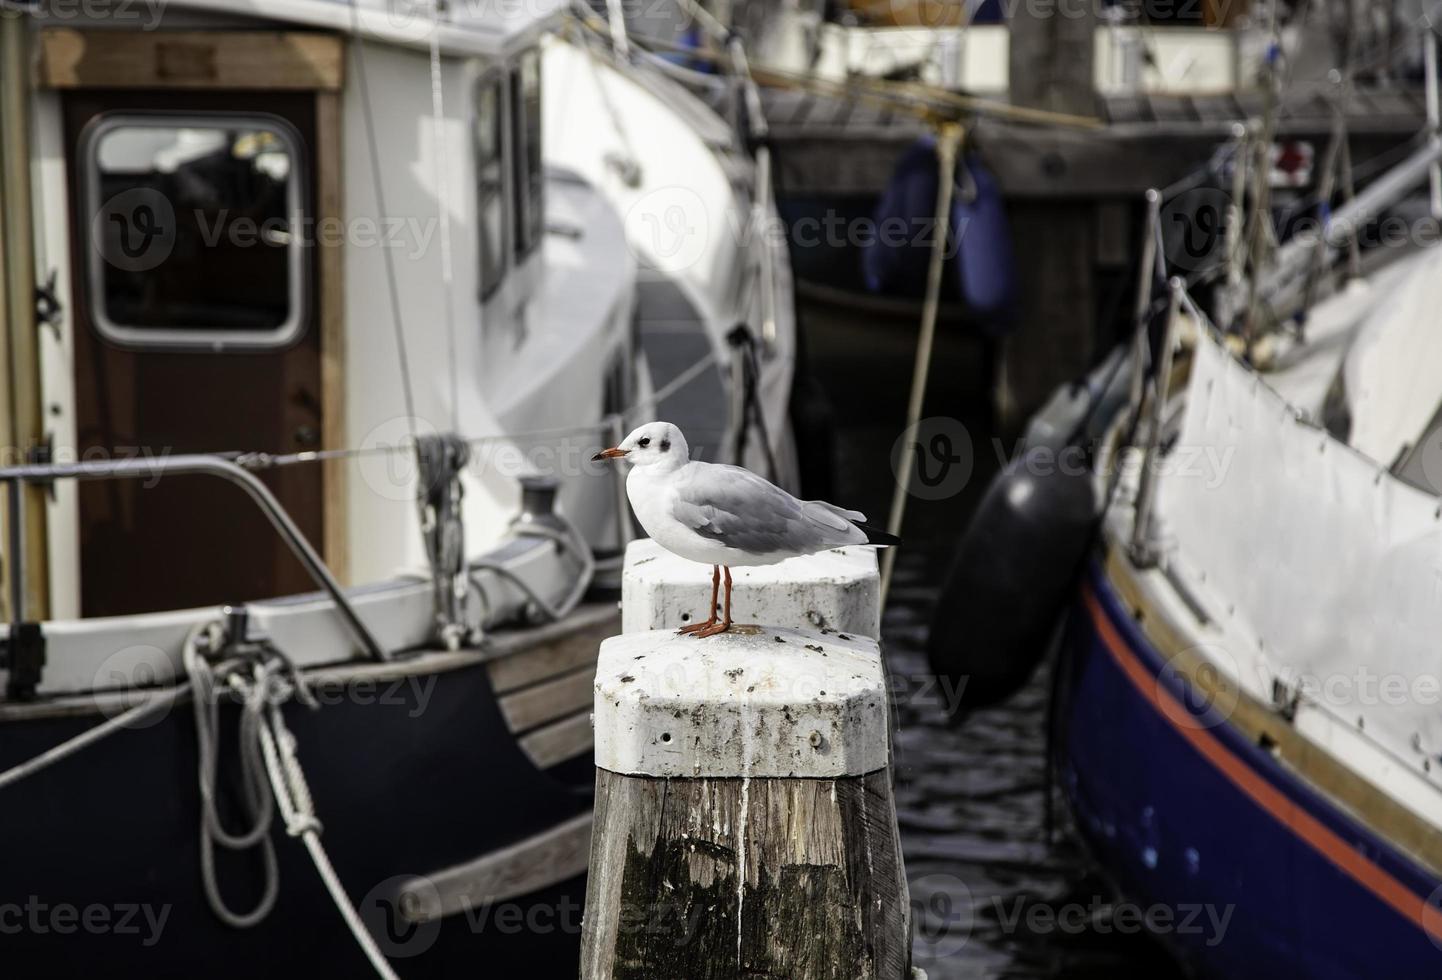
<point x="127" y="679"/>
<point x="388" y="457"/>
<point x="1198" y="687"/>
<point x="391" y="912"/>
<point x="1432" y="916"/>
<point x="409" y="20"/>
<point x="134" y="230"/>
<point x="938" y="453"/>
<point x="928" y="13"/>
<point x="1194" y="228"/>
<point x="941" y="909"/>
<point x="668" y="228"/>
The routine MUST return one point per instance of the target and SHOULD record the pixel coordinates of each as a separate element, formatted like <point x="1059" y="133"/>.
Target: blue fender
<point x="979" y="251"/>
<point x="985" y="263"/>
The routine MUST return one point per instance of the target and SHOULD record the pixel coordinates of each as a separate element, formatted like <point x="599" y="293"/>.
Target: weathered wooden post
<point x="744" y="825"/>
<point x="1051" y="61"/>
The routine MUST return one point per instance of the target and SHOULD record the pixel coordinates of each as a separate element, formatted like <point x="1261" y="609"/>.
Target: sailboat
<point x="1242" y="584"/>
<point x="313" y="322"/>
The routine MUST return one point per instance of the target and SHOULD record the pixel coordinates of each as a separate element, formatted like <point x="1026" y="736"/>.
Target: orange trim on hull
<point x="1319" y="837"/>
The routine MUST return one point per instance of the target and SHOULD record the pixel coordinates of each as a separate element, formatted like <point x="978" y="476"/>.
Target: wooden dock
<point x="828" y="146"/>
<point x="1073" y="194"/>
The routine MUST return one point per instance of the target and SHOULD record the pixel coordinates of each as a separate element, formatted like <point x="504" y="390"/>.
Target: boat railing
<point x="1143" y="553"/>
<point x="204" y="464"/>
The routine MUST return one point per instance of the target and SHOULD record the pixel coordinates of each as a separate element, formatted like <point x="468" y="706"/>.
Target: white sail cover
<point x="1329" y="567"/>
<point x="1393" y="372"/>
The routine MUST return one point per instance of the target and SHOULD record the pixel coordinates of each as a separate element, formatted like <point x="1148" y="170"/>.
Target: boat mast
<point x="22" y="423"/>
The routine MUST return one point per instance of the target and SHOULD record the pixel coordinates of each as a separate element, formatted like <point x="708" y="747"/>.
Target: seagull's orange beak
<point x="612" y="453"/>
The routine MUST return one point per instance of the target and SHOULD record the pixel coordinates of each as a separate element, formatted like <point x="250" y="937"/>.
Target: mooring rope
<point x="292" y="794"/>
<point x="271" y="776"/>
<point x="154" y="704"/>
<point x="255" y="791"/>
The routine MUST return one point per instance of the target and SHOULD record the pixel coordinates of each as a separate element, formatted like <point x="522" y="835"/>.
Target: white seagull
<point x="725" y="516"/>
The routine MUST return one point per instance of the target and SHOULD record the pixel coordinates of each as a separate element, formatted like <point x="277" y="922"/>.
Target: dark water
<point x="990" y="886"/>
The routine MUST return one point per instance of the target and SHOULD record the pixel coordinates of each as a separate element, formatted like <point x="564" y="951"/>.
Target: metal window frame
<point x="199" y="337"/>
<point x="497" y="77"/>
<point x="529" y="190"/>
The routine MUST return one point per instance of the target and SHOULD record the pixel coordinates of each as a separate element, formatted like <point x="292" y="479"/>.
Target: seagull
<point x="725" y="516"/>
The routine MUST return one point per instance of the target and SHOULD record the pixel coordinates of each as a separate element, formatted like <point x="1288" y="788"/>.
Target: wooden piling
<point x="745" y="826"/>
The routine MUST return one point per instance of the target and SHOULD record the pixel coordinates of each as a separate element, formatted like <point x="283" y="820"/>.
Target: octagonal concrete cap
<point x="761" y="701"/>
<point x="837" y="590"/>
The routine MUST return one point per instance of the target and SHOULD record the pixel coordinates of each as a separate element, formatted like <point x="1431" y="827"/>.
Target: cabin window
<point x="196" y="230"/>
<point x="490" y="184"/>
<point x="529" y="181"/>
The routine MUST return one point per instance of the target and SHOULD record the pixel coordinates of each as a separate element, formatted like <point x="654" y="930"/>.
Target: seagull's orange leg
<point x="715" y="588"/>
<point x="725" y="623"/>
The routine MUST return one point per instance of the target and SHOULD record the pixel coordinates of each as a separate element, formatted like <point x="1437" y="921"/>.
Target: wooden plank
<point x="1250" y="103"/>
<point x="867" y="112"/>
<point x="1393" y="103"/>
<point x="23" y="417"/>
<point x="1213" y="109"/>
<point x="548" y="700"/>
<point x="784" y="106"/>
<point x="512" y="670"/>
<point x="72" y="58"/>
<point x="543" y="664"/>
<point x="554" y="744"/>
<point x="1172" y="108"/>
<point x="1128" y="109"/>
<point x="330" y="263"/>
<point x="840" y="113"/>
<point x="549" y="858"/>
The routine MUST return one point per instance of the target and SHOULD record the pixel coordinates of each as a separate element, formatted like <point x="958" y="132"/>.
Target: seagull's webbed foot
<point x="700" y="627"/>
<point x="711" y="629"/>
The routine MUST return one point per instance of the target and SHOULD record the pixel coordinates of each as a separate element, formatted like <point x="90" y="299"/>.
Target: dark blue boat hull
<point x="1187" y="813"/>
<point x="404" y="786"/>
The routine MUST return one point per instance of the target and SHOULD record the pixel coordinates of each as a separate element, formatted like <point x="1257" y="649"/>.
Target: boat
<point x="1246" y="564"/>
<point x="305" y="562"/>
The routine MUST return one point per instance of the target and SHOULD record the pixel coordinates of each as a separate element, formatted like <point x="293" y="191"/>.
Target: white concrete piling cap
<point x="838" y="590"/>
<point x="761" y="701"/>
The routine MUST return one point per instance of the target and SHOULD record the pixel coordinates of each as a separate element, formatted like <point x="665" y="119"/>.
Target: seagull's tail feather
<point x="875" y="535"/>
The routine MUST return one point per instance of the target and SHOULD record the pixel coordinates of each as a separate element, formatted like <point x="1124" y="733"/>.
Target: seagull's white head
<point x="658" y="444"/>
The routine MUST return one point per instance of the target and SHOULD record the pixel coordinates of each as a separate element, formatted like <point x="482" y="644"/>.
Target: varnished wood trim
<point x="23" y="416"/>
<point x="1259" y="722"/>
<point x="554" y="744"/>
<point x="549" y="700"/>
<point x="330" y="295"/>
<point x="72" y="58"/>
<point x="546" y="859"/>
<point x="571" y="653"/>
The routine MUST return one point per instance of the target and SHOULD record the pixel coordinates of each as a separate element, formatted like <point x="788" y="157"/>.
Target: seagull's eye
<point x="644" y="442"/>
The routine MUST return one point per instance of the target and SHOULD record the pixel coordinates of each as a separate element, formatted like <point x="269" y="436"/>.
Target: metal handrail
<point x="1143" y="554"/>
<point x="194" y="463"/>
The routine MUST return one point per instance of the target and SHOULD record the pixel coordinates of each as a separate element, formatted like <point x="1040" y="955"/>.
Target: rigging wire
<point x="439" y="147"/>
<point x="265" y="461"/>
<point x="378" y="188"/>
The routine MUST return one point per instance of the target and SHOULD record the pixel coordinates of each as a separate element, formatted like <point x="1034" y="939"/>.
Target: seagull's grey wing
<point x="739" y="509"/>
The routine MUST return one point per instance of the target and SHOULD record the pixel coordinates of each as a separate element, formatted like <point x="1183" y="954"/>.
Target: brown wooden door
<point x="189" y="541"/>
